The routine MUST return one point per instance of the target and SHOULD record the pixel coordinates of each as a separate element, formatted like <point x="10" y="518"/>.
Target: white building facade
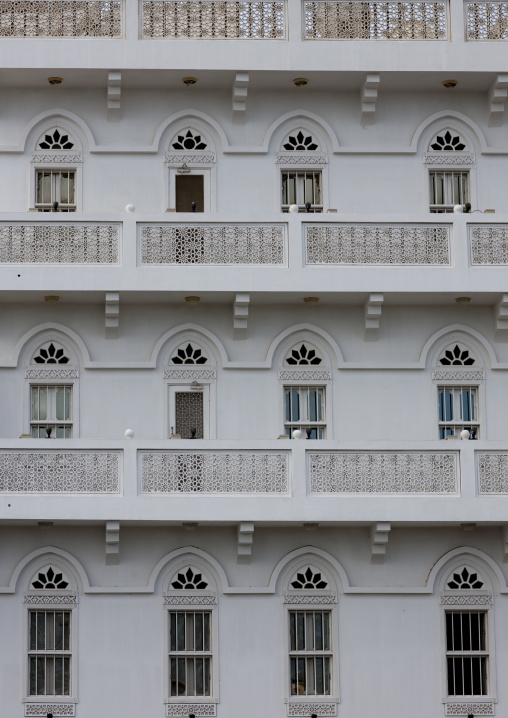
<point x="242" y="332"/>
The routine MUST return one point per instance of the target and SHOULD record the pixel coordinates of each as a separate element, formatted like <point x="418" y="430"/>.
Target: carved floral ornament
<point x="49" y="578"/>
<point x="303" y="354"/>
<point x="189" y="578"/>
<point x="189" y="353"/>
<point x="456" y="354"/>
<point x="465" y="578"/>
<point x="189" y="140"/>
<point x="50" y="353"/>
<point x="300" y="141"/>
<point x="55" y="139"/>
<point x="308" y="578"/>
<point x="447" y="141"/>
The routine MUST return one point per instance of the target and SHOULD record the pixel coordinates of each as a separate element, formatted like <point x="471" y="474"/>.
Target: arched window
<point x="190" y="602"/>
<point x="190" y="159"/>
<point x="467" y="600"/>
<point x="302" y="161"/>
<point x="459" y="376"/>
<point x="310" y="600"/>
<point x="51" y="599"/>
<point x="56" y="165"/>
<point x="450" y="161"/>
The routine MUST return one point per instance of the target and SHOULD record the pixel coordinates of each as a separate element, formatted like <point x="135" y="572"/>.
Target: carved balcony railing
<point x="358" y="20"/>
<point x="221" y="244"/>
<point x="492" y="472"/>
<point x="61" y="18"/>
<point x="56" y="471"/>
<point x="51" y="243"/>
<point x="486" y="21"/>
<point x="377" y="244"/>
<point x="488" y="244"/>
<point x="214" y="472"/>
<point x="343" y="472"/>
<point x="213" y="19"/>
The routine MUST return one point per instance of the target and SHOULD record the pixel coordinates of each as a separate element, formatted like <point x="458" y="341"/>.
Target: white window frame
<point x="305" y="385"/>
<point x="64" y="604"/>
<point x="62" y="166"/>
<point x="447" y="207"/>
<point x="52" y="420"/>
<point x="207" y="388"/>
<point x="314" y="169"/>
<point x="470" y="607"/>
<point x="308" y="655"/>
<point x="185" y="602"/>
<point x="74" y="383"/>
<point x="434" y="166"/>
<point x="318" y="600"/>
<point x="209" y="182"/>
<point x="479" y="423"/>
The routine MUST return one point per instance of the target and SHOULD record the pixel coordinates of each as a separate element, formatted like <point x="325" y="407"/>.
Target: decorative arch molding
<point x="173" y="337"/>
<point x="454" y="332"/>
<point x="306" y="553"/>
<point x="193" y="118"/>
<point x="304" y="331"/>
<point x="47" y="553"/>
<point x="423" y="133"/>
<point x="36" y="126"/>
<point x="28" y="343"/>
<point x="190" y="554"/>
<point x="283" y="124"/>
<point x="444" y="565"/>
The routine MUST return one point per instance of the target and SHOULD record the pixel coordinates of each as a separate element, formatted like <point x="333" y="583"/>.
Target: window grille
<point x="189" y="414"/>
<point x="466" y="653"/>
<point x="302" y="188"/>
<point x="55" y="186"/>
<point x="310" y="655"/>
<point x="458" y="410"/>
<point x="49" y="655"/>
<point x="448" y="189"/>
<point x="190" y="654"/>
<point x="305" y="410"/>
<point x="51" y="411"/>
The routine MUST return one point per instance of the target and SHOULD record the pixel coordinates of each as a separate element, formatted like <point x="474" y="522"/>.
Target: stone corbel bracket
<point x="501" y="319"/>
<point x="378" y="541"/>
<point x="368" y="98"/>
<point x="112" y="542"/>
<point x="245" y="541"/>
<point x="498" y="94"/>
<point x="112" y="314"/>
<point x="240" y="93"/>
<point x="114" y="96"/>
<point x="373" y="311"/>
<point x="240" y="316"/>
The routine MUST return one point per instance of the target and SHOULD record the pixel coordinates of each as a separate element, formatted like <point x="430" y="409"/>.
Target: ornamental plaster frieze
<point x="187" y="600"/>
<point x="466" y="709"/>
<point x="305" y="374"/>
<point x="65" y="159"/>
<point x="300" y="158"/>
<point x="45" y="709"/>
<point x="186" y="709"/>
<point x="466" y="600"/>
<point x="310" y="599"/>
<point x="51" y="373"/>
<point x="42" y="599"/>
<point x="448" y="158"/>
<point x="306" y="709"/>
<point x="458" y="374"/>
<point x="189" y="374"/>
<point x="198" y="159"/>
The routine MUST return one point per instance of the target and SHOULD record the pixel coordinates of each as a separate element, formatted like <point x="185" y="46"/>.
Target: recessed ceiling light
<point x="450" y="84"/>
<point x="188" y="81"/>
<point x="462" y="300"/>
<point x="300" y="81"/>
<point x="55" y="80"/>
<point x="51" y="298"/>
<point x="311" y="300"/>
<point x="192" y="300"/>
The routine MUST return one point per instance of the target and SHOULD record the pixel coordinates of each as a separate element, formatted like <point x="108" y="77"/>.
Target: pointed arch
<point x="29" y="340"/>
<point x="290" y="119"/>
<point x="189" y="552"/>
<point x="291" y="559"/>
<point x="37" y="124"/>
<point x="443" y="565"/>
<point x="211" y="340"/>
<point x="457" y="120"/>
<point x="433" y="344"/>
<point x="46" y="554"/>
<point x="211" y="127"/>
<point x="307" y="330"/>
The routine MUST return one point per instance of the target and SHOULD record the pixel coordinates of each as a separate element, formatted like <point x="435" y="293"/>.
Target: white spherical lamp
<point x="129" y="434"/>
<point x="464" y="434"/>
<point x="297" y="434"/>
<point x="130" y="208"/>
<point x="458" y="208"/>
<point x="293" y="208"/>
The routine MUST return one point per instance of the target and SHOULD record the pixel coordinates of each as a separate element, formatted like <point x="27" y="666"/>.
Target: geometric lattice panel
<point x="306" y="709"/>
<point x="212" y="244"/>
<point x="487" y="20"/>
<point x="186" y="709"/>
<point x="383" y="473"/>
<point x="58" y="710"/>
<point x="71" y="472"/>
<point x="489" y="245"/>
<point x="214" y="20"/>
<point x="492" y="472"/>
<point x="381" y="244"/>
<point x="59" y="243"/>
<point x="375" y="20"/>
<point x="60" y="18"/>
<point x="218" y="472"/>
<point x="466" y="709"/>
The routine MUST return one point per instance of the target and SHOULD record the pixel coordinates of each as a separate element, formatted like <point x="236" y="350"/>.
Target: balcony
<point x="282" y="253"/>
<point x="285" y="482"/>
